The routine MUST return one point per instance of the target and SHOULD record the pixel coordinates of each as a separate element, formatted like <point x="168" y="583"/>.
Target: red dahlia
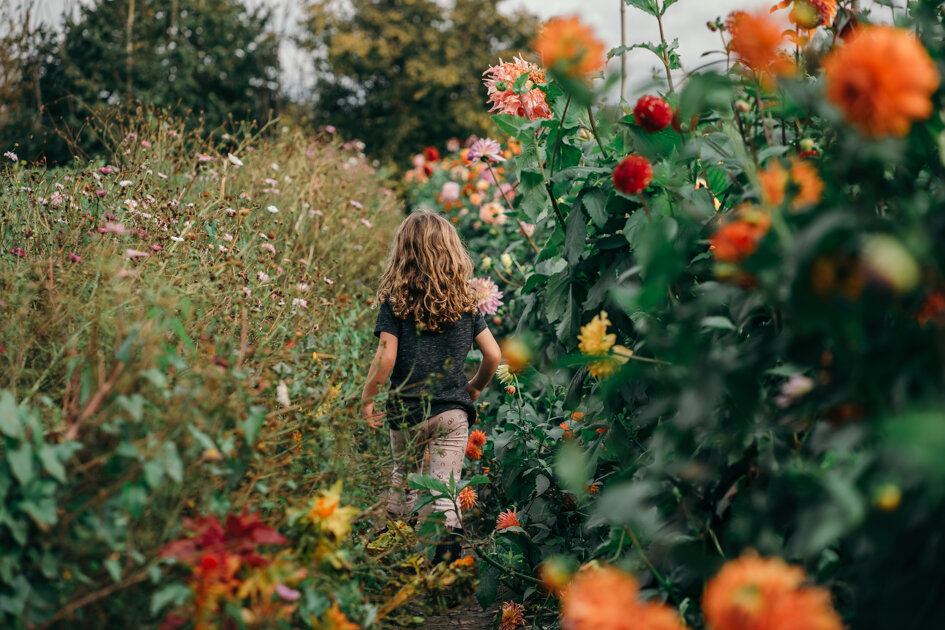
<point x="633" y="174"/>
<point x="653" y="113"/>
<point x="432" y="154"/>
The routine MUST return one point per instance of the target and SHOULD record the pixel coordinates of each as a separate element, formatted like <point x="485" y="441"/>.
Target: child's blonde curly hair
<point x="427" y="274"/>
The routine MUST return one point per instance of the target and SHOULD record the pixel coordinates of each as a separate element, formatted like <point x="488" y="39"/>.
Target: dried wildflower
<point x="507" y="519"/>
<point x="652" y="113"/>
<point x="569" y="47"/>
<point x="468" y="498"/>
<point x="512" y="616"/>
<point x="633" y="174"/>
<point x="882" y="79"/>
<point x="500" y="80"/>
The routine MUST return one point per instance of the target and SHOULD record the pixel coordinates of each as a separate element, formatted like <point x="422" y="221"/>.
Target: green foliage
<point x="213" y="60"/>
<point x="789" y="401"/>
<point x="159" y="304"/>
<point x="398" y="74"/>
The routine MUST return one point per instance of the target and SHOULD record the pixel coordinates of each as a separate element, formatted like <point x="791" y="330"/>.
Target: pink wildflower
<point x="268" y="247"/>
<point x="10" y="155"/>
<point x="19" y="253"/>
<point x="485" y="149"/>
<point x="146" y="144"/>
<point x="499" y="81"/>
<point x="492" y="213"/>
<point x="75" y="257"/>
<point x="155" y="247"/>
<point x="203" y="157"/>
<point x="134" y="253"/>
<point x="328" y="281"/>
<point x="330" y="128"/>
<point x="488" y="296"/>
<point x="263" y="276"/>
<point x="107" y="170"/>
<point x="101" y="193"/>
<point x="366" y="222"/>
<point x="449" y="192"/>
<point x="356" y="204"/>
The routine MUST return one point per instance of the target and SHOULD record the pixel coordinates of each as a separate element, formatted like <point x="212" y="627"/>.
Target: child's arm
<point x="381" y="367"/>
<point x="491" y="355"/>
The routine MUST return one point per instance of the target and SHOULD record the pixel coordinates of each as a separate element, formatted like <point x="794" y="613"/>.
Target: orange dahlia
<point x="657" y="616"/>
<point x="883" y="80"/>
<point x="802" y="176"/>
<point x="477" y="438"/>
<point x="740" y="596"/>
<point x="473" y="451"/>
<point x="804" y="609"/>
<point x="512" y="616"/>
<point x="570" y="47"/>
<point x="605" y="598"/>
<point x="499" y="81"/>
<point x="507" y="519"/>
<point x="757" y="41"/>
<point x="737" y="240"/>
<point x="467" y="498"/>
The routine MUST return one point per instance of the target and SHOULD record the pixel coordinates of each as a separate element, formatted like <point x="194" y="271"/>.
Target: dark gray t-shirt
<point x="428" y="377"/>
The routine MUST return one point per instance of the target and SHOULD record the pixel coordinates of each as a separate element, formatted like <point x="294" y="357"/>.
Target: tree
<point x="210" y="58"/>
<point x="402" y="74"/>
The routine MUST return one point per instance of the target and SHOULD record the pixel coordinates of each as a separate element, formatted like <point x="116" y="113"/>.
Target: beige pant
<point x="445" y="436"/>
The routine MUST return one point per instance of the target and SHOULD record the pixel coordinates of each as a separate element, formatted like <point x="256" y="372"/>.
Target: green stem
<point x="505" y="569"/>
<point x="554" y="153"/>
<point x="646" y="561"/>
<point x="547" y="182"/>
<point x="590" y="115"/>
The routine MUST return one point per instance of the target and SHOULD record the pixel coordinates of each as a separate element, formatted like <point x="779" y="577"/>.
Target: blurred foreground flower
<point x="594" y="339"/>
<point x="499" y="81"/>
<point x="753" y="593"/>
<point x="605" y="598"/>
<point x="809" y="14"/>
<point x="737" y="240"/>
<point x="328" y="514"/>
<point x="569" y="47"/>
<point x="803" y="178"/>
<point x="516" y="353"/>
<point x="757" y="41"/>
<point x="882" y="79"/>
<point x="488" y="296"/>
<point x="886" y="259"/>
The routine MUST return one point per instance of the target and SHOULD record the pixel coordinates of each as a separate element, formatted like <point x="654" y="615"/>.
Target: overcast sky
<point x="685" y="20"/>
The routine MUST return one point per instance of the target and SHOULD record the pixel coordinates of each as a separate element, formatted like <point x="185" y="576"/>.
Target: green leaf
<point x="173" y="594"/>
<point x="519" y="86"/>
<point x="21" y="462"/>
<point x="114" y="568"/>
<point x="647" y="6"/>
<point x="705" y="91"/>
<point x="718" y="321"/>
<point x="552" y="266"/>
<point x="123" y="353"/>
<point x="572" y="468"/>
<point x="666" y="5"/>
<point x="50" y="461"/>
<point x="488" y="587"/>
<point x="428" y="482"/>
<point x="172" y="464"/>
<point x="595" y="202"/>
<point x="251" y="425"/>
<point x="575" y="236"/>
<point x="9" y="424"/>
<point x="476" y="480"/>
<point x="153" y="473"/>
<point x="202" y="437"/>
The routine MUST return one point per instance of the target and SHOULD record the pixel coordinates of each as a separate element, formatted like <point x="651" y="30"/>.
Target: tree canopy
<point x="396" y="73"/>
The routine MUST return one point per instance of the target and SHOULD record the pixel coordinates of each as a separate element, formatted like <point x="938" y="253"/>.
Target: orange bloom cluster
<point x="477" y="439"/>
<point x="754" y="593"/>
<point x="468" y="498"/>
<point x="605" y="598"/>
<point x="569" y="47"/>
<point x="499" y="80"/>
<point x="512" y="616"/>
<point x="737" y="240"/>
<point x="507" y="519"/>
<point x="757" y="40"/>
<point x="466" y="561"/>
<point x="802" y="176"/>
<point x="882" y="79"/>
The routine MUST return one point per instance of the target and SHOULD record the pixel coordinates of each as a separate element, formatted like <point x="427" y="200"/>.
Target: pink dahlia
<point x="499" y="81"/>
<point x="488" y="296"/>
<point x="485" y="149"/>
<point x="492" y="213"/>
<point x="449" y="192"/>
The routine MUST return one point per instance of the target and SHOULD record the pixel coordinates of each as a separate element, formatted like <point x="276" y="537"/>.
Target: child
<point x="427" y="323"/>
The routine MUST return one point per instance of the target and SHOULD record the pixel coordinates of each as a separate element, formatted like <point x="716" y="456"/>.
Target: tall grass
<point x="153" y="308"/>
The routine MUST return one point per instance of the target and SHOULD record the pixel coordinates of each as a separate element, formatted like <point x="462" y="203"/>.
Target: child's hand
<point x="373" y="417"/>
<point x="472" y="391"/>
